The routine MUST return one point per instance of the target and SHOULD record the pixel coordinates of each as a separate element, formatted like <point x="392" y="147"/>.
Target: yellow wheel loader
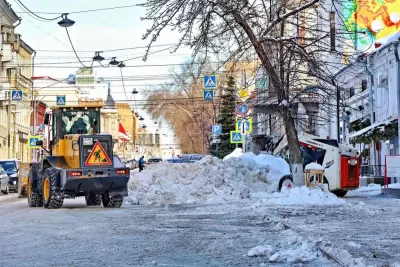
<point x="80" y="161"/>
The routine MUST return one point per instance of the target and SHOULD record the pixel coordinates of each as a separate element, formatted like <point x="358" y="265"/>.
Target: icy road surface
<point x="189" y="235"/>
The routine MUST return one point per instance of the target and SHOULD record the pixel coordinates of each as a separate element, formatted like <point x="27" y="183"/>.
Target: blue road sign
<point x="208" y="95"/>
<point x="41" y="126"/>
<point x="243" y="109"/>
<point x="216" y="129"/>
<point x="60" y="100"/>
<point x="245" y="126"/>
<point x="16" y="95"/>
<point x="210" y="82"/>
<point x="236" y="137"/>
<point x="32" y="141"/>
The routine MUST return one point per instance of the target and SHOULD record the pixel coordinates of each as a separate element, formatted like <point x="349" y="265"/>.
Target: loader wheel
<point x="52" y="197"/>
<point x="34" y="199"/>
<point x="93" y="200"/>
<point x="111" y="201"/>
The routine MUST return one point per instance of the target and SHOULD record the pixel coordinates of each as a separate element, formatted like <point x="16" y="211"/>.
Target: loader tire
<point x="111" y="201"/>
<point x="52" y="196"/>
<point x="34" y="199"/>
<point x="93" y="200"/>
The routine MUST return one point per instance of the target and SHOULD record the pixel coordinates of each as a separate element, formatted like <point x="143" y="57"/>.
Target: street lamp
<point x="66" y="22"/>
<point x="97" y="57"/>
<point x="135" y="91"/>
<point x="144" y="126"/>
<point x="141" y="118"/>
<point x="155" y="122"/>
<point x="121" y="65"/>
<point x="114" y="62"/>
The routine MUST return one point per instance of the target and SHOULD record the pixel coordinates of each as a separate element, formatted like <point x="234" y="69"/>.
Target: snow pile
<point x="289" y="248"/>
<point x="370" y="190"/>
<point x="209" y="180"/>
<point x="235" y="154"/>
<point x="302" y="196"/>
<point x="313" y="166"/>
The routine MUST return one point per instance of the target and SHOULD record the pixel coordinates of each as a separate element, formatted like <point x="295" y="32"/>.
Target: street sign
<point x="16" y="95"/>
<point x="216" y="129"/>
<point x="242" y="109"/>
<point x="247" y="125"/>
<point x="60" y="100"/>
<point x="208" y="95"/>
<point x="210" y="82"/>
<point x="41" y="126"/>
<point x="32" y="141"/>
<point x="236" y="137"/>
<point x="98" y="156"/>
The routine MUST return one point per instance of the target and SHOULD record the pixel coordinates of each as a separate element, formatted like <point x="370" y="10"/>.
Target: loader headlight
<point x="352" y="162"/>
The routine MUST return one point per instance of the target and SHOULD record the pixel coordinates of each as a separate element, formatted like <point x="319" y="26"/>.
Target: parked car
<point x="175" y="160"/>
<point x="196" y="157"/>
<point x="4" y="181"/>
<point x="154" y="160"/>
<point x="11" y="166"/>
<point x="132" y="164"/>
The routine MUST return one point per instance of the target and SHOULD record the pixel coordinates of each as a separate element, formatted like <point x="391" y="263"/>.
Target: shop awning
<point x="122" y="133"/>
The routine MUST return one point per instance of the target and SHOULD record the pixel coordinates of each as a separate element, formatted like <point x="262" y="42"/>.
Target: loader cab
<point x="73" y="120"/>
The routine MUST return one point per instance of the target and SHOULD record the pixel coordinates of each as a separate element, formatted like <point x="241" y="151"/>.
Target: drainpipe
<point x="396" y="54"/>
<point x="371" y="101"/>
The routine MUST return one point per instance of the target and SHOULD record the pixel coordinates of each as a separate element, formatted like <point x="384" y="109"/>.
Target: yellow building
<point x="128" y="120"/>
<point x="20" y="79"/>
<point x="17" y="86"/>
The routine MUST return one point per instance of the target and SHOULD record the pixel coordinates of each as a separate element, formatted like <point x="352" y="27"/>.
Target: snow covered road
<point x="193" y="235"/>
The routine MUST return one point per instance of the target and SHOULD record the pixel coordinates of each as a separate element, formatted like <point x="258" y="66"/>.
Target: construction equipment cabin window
<point x="79" y="121"/>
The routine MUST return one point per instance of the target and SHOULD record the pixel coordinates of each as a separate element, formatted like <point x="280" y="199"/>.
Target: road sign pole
<point x="9" y="124"/>
<point x="236" y="109"/>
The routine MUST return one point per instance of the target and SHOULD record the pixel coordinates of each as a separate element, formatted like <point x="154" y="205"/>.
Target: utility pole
<point x="9" y="124"/>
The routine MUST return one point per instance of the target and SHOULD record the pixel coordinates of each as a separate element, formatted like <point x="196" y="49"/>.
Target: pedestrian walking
<point x="141" y="164"/>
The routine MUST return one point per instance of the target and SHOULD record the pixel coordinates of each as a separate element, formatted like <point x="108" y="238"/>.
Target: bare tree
<point x="181" y="103"/>
<point x="295" y="41"/>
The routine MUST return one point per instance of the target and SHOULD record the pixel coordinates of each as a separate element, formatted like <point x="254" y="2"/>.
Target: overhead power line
<point x="40" y="17"/>
<point x="81" y="11"/>
<point x="105" y="50"/>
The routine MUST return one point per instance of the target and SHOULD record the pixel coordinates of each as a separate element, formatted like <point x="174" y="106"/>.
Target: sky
<point x="98" y="31"/>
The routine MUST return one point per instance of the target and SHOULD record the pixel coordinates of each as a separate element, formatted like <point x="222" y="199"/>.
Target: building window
<point x="352" y="91"/>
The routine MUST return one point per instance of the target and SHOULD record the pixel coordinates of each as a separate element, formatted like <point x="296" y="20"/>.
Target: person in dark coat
<point x="141" y="164"/>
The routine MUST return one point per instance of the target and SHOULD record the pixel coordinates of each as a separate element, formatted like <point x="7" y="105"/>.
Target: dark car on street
<point x="10" y="166"/>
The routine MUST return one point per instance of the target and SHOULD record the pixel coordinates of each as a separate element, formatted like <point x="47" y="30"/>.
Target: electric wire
<point x="84" y="11"/>
<point x="36" y="14"/>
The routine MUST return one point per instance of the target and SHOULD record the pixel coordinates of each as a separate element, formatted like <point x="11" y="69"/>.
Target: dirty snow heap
<point x="210" y="180"/>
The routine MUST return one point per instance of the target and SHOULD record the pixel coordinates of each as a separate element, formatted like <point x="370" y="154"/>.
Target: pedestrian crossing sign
<point x="210" y="82"/>
<point x="208" y="95"/>
<point x="236" y="137"/>
<point x="32" y="142"/>
<point x="247" y="125"/>
<point x="98" y="156"/>
<point x="60" y="100"/>
<point x="16" y="95"/>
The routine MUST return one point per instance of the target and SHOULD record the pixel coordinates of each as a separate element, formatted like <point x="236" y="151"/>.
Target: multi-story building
<point x="128" y="121"/>
<point x="372" y="105"/>
<point x="16" y="72"/>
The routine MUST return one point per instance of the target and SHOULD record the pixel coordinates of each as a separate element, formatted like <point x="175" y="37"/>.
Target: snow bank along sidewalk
<point x="212" y="180"/>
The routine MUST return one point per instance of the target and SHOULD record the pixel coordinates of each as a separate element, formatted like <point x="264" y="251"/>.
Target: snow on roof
<point x="372" y="127"/>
